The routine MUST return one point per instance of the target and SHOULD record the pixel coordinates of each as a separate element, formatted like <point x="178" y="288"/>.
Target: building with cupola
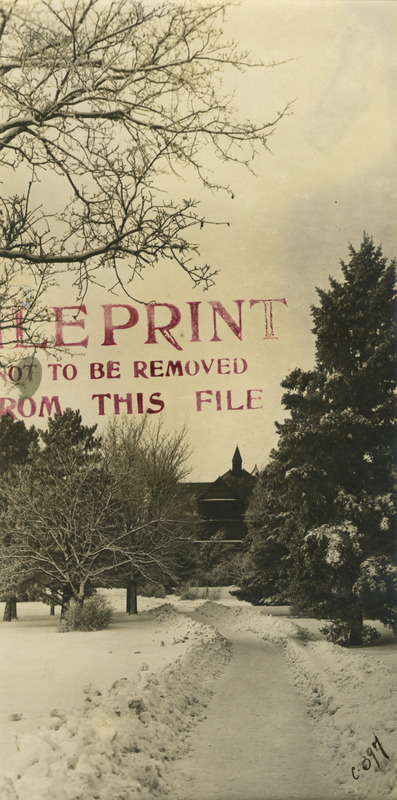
<point x="221" y="504"/>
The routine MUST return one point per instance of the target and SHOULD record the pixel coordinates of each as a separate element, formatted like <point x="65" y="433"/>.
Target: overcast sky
<point x="330" y="175"/>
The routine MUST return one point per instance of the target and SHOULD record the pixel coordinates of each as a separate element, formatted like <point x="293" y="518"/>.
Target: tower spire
<point x="237" y="462"/>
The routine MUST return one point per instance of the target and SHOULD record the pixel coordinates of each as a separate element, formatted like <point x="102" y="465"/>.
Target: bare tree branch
<point x="98" y="103"/>
<point x="71" y="515"/>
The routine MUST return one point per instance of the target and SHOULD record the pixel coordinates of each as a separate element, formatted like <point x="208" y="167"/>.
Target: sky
<point x="328" y="176"/>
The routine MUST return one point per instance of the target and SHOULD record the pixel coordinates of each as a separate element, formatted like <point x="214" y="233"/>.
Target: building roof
<point x="235" y="484"/>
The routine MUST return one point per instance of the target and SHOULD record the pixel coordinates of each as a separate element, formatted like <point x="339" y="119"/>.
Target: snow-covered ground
<point x="350" y="696"/>
<point x="102" y="715"/>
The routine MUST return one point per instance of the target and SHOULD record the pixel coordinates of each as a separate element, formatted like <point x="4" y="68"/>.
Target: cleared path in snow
<point x="256" y="742"/>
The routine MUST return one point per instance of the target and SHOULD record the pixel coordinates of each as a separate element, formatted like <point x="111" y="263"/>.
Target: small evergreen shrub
<point x="94" y="614"/>
<point x="303" y="635"/>
<point x="200" y="593"/>
<point x="370" y="634"/>
<point x="152" y="590"/>
<point x="339" y="633"/>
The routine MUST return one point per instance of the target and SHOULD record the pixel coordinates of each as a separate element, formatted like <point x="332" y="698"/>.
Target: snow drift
<point x="350" y="697"/>
<point x="117" y="742"/>
<point x="115" y="746"/>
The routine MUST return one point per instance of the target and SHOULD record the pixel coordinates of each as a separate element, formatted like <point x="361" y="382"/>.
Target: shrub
<point x="94" y="614"/>
<point x="303" y="635"/>
<point x="150" y="589"/>
<point x="200" y="593"/>
<point x="339" y="633"/>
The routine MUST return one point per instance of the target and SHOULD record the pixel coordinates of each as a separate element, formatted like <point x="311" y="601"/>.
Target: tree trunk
<point x="132" y="603"/>
<point x="7" y="611"/>
<point x="81" y="596"/>
<point x="52" y="609"/>
<point x="14" y="614"/>
<point x="67" y="594"/>
<point x="10" y="609"/>
<point x="356" y="629"/>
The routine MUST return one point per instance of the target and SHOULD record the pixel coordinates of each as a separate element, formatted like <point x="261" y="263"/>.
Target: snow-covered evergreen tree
<point x="322" y="518"/>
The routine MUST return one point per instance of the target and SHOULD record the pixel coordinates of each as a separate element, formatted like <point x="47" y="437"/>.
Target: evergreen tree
<point x="18" y="444"/>
<point x="67" y="430"/>
<point x="327" y="506"/>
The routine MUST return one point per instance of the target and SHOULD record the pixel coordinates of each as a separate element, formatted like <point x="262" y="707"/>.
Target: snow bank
<point x="352" y="701"/>
<point x="115" y="745"/>
<point x="351" y="698"/>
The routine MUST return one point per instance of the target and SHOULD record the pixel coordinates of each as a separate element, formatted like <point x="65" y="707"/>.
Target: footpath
<point x="256" y="742"/>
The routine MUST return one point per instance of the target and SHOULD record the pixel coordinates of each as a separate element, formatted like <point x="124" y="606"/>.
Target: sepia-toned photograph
<point x="198" y="361"/>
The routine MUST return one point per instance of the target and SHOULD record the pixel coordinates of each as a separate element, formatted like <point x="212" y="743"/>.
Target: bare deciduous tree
<point x="75" y="518"/>
<point x="148" y="464"/>
<point x="100" y="101"/>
